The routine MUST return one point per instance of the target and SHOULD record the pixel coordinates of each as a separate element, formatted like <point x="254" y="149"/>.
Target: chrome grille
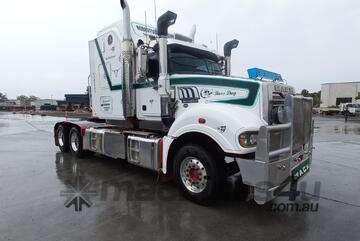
<point x="302" y="121"/>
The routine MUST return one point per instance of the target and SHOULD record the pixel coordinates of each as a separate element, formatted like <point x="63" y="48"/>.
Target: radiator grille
<point x="302" y="119"/>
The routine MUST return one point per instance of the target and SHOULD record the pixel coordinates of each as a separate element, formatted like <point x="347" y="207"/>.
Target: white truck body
<point x="350" y="108"/>
<point x="148" y="116"/>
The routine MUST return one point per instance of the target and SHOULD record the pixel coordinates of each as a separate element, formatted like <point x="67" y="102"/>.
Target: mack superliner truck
<point x="163" y="102"/>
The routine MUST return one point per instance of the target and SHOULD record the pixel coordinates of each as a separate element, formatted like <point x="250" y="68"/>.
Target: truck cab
<point x="172" y="106"/>
<point x="352" y="109"/>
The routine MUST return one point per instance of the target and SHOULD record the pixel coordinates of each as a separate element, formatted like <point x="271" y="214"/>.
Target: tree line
<point x="24" y="100"/>
<point x="3" y="97"/>
<point x="315" y="95"/>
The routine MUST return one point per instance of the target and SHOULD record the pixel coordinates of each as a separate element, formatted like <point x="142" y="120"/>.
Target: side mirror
<point x="141" y="63"/>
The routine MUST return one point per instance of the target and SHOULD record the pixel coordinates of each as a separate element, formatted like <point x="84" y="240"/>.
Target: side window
<point x="153" y="69"/>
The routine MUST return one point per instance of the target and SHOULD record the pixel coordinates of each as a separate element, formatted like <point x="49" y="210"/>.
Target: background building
<point x="71" y="102"/>
<point x="332" y="94"/>
<point x="10" y="105"/>
<point x="74" y="102"/>
<point x="77" y="101"/>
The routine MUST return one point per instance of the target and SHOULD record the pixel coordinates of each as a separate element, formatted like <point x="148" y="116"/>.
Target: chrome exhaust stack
<point x="228" y="47"/>
<point x="126" y="20"/>
<point x="127" y="52"/>
<point x="163" y="23"/>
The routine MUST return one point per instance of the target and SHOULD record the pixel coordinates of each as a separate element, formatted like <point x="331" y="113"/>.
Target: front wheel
<point x="197" y="174"/>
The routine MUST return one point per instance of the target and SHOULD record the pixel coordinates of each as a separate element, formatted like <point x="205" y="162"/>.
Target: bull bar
<point x="278" y="150"/>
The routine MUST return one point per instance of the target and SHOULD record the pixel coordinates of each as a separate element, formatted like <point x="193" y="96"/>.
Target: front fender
<point x="223" y="123"/>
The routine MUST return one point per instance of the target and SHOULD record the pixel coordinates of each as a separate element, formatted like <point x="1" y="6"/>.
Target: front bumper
<point x="280" y="150"/>
<point x="268" y="182"/>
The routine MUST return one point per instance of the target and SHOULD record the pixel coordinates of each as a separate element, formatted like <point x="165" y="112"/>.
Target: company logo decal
<point x="283" y="89"/>
<point x="146" y="29"/>
<point x="249" y="88"/>
<point x="206" y="93"/>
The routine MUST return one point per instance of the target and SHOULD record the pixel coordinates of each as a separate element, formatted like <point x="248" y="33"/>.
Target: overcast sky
<point x="44" y="49"/>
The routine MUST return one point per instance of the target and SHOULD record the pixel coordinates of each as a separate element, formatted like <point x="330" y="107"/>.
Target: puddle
<point x="347" y="129"/>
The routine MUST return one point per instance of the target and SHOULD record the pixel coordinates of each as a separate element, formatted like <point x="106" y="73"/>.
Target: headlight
<point x="248" y="139"/>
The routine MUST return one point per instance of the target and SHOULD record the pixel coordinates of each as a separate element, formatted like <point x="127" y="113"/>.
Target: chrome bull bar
<point x="273" y="141"/>
<point x="271" y="171"/>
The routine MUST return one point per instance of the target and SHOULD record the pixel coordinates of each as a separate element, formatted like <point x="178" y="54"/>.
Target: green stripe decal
<point x="251" y="86"/>
<point x="143" y="85"/>
<point x="112" y="87"/>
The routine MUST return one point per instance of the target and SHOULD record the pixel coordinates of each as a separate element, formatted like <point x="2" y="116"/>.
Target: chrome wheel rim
<point x="61" y="137"/>
<point x="74" y="141"/>
<point x="193" y="174"/>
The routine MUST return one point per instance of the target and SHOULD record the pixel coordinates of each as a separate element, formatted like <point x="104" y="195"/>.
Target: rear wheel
<point x="76" y="142"/>
<point x="62" y="139"/>
<point x="197" y="174"/>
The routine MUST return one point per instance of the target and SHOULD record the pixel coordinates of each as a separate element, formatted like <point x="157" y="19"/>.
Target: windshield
<point x="354" y="105"/>
<point x="186" y="60"/>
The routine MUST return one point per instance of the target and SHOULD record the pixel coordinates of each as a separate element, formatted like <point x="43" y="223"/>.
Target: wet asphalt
<point x="125" y="202"/>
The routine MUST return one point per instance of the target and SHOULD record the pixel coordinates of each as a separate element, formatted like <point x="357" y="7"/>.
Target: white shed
<point x="332" y="94"/>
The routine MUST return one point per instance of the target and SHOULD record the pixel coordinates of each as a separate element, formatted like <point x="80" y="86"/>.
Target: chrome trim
<point x="127" y="58"/>
<point x="128" y="96"/>
<point x="108" y="142"/>
<point x="279" y="152"/>
<point x="144" y="152"/>
<point x="263" y="152"/>
<point x="126" y="20"/>
<point x="228" y="66"/>
<point x="163" y="55"/>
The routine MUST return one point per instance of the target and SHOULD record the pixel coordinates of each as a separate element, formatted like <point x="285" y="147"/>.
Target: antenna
<point x="146" y="29"/>
<point x="217" y="43"/>
<point x="155" y="11"/>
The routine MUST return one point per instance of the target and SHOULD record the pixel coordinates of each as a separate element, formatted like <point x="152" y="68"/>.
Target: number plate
<point x="301" y="170"/>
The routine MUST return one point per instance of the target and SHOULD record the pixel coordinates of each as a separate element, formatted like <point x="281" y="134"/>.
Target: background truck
<point x="329" y="110"/>
<point x="349" y="109"/>
<point x="163" y="102"/>
<point x="352" y="109"/>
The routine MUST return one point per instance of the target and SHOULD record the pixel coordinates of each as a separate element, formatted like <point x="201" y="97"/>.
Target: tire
<point x="76" y="142"/>
<point x="62" y="139"/>
<point x="197" y="174"/>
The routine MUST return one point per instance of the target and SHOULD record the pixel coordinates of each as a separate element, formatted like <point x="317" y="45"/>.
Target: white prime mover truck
<point x="162" y="102"/>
